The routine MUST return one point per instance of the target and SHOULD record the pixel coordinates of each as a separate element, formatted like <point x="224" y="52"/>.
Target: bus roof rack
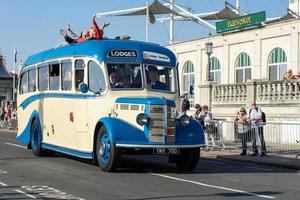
<point x="61" y="44"/>
<point x="123" y="37"/>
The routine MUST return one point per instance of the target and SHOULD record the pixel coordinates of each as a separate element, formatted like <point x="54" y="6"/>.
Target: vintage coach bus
<point x="100" y="99"/>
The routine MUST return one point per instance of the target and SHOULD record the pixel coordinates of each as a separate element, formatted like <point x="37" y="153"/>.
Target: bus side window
<point x="54" y="77"/>
<point x="32" y="80"/>
<point x="95" y="78"/>
<point x="66" y="76"/>
<point x="43" y="78"/>
<point x="24" y="83"/>
<point x="79" y="73"/>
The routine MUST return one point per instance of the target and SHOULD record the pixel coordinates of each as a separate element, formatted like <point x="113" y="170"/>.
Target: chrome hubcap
<point x="102" y="148"/>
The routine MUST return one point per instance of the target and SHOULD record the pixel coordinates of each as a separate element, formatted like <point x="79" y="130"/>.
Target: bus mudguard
<point x="191" y="134"/>
<point x="122" y="132"/>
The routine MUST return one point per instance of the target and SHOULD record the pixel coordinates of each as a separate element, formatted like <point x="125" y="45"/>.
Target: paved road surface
<point x="24" y="176"/>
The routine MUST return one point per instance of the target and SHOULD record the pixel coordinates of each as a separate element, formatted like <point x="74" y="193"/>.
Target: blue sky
<point x="33" y="25"/>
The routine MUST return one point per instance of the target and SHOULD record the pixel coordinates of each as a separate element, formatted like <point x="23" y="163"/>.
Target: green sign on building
<point x="243" y="22"/>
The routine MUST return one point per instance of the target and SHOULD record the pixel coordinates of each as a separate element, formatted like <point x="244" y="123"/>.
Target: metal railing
<point x="279" y="137"/>
<point x="11" y="124"/>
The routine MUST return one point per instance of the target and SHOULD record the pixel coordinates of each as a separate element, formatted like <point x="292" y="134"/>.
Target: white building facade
<point x="246" y="65"/>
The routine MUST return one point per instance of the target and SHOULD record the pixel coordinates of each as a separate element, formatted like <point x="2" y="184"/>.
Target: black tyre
<point x="36" y="139"/>
<point x="107" y="155"/>
<point x="188" y="159"/>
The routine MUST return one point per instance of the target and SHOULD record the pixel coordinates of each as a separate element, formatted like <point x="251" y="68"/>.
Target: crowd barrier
<point x="281" y="137"/>
<point x="11" y="124"/>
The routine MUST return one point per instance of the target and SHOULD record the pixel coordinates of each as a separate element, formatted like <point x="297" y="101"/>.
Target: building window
<point x="243" y="68"/>
<point x="215" y="69"/>
<point x="189" y="80"/>
<point x="277" y="64"/>
<point x="95" y="78"/>
<point x="66" y="75"/>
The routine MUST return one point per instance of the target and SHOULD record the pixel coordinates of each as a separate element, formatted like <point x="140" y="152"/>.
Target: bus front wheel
<point x="188" y="159"/>
<point x="108" y="156"/>
<point x="36" y="139"/>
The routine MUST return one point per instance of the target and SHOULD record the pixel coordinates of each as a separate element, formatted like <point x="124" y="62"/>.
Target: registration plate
<point x="166" y="151"/>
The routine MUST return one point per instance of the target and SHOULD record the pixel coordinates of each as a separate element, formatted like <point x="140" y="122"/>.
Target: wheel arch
<point x="25" y="136"/>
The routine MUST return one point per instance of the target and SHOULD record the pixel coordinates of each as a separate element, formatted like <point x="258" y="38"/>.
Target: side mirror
<point x="84" y="87"/>
<point x="191" y="90"/>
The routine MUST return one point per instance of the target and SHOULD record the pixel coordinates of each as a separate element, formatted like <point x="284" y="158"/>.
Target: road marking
<point x="3" y="184"/>
<point x="28" y="195"/>
<point x="2" y="172"/>
<point x="214" y="186"/>
<point x="259" y="168"/>
<point x="16" y="145"/>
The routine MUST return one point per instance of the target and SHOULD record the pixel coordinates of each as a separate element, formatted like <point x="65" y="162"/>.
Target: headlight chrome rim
<point x="142" y="119"/>
<point x="185" y="120"/>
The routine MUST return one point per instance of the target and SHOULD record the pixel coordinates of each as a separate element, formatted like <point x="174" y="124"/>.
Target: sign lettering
<point x="122" y="53"/>
<point x="155" y="56"/>
<point x="243" y="22"/>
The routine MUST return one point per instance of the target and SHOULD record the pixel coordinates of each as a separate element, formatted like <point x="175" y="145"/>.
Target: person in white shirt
<point x="255" y="117"/>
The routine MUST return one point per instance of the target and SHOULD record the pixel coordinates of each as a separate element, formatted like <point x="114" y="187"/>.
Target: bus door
<point x="79" y="107"/>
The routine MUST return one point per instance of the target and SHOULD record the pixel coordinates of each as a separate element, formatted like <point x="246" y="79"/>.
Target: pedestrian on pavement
<point x="197" y="114"/>
<point x="185" y="104"/>
<point x="242" y="127"/>
<point x="207" y="117"/>
<point x="256" y="119"/>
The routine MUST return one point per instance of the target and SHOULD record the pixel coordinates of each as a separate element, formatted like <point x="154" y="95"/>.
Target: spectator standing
<point x="289" y="75"/>
<point x="207" y="117"/>
<point x="243" y="127"/>
<point x="197" y="114"/>
<point x="255" y="117"/>
<point x="2" y="114"/>
<point x="185" y="104"/>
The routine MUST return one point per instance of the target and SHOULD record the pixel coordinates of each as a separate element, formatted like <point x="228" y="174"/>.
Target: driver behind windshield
<point x="114" y="80"/>
<point x="154" y="81"/>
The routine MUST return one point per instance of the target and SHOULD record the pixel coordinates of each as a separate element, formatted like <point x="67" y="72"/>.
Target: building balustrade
<point x="280" y="100"/>
<point x="262" y="91"/>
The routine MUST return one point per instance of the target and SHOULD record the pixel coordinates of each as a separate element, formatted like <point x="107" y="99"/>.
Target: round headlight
<point x="185" y="120"/>
<point x="142" y="119"/>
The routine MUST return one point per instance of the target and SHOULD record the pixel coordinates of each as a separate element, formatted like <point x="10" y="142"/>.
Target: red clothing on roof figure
<point x="95" y="33"/>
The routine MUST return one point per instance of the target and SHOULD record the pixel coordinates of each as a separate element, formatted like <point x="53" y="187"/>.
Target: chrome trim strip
<point x="159" y="146"/>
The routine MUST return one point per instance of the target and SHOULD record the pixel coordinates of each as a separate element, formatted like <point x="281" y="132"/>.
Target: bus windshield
<point x="160" y="78"/>
<point x="124" y="76"/>
<point x="129" y="76"/>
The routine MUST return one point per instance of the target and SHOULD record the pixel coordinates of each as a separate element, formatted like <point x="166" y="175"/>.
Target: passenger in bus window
<point x="114" y="80"/>
<point x="154" y="81"/>
<point x="137" y="83"/>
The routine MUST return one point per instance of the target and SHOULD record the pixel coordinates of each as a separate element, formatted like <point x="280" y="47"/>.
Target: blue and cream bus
<point x="95" y="100"/>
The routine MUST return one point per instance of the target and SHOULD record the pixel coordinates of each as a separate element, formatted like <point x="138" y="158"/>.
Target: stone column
<point x="250" y="91"/>
<point x="206" y="94"/>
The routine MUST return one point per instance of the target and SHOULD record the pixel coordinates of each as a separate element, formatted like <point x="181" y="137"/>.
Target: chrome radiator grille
<point x="162" y="124"/>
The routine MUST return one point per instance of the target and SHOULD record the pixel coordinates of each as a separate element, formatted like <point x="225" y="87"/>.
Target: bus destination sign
<point x="122" y="53"/>
<point x="243" y="22"/>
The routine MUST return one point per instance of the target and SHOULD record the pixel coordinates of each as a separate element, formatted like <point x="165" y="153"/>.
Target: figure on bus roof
<point x="95" y="33"/>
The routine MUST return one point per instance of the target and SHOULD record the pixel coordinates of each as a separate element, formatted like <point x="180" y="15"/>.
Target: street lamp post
<point x="208" y="51"/>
